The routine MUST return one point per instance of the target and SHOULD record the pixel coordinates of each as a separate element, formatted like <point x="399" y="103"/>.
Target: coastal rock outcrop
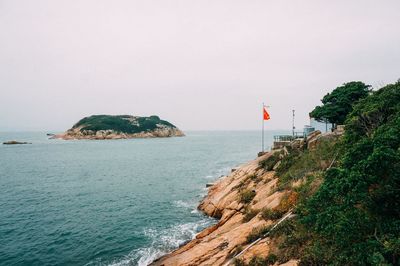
<point x="249" y="202"/>
<point x="14" y="142"/>
<point x="102" y="127"/>
<point x="217" y="244"/>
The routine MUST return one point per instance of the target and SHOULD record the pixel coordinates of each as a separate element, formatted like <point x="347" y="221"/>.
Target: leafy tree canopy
<point x="338" y="104"/>
<point x="355" y="214"/>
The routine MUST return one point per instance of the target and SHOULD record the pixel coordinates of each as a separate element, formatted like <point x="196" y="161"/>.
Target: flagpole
<point x="262" y="137"/>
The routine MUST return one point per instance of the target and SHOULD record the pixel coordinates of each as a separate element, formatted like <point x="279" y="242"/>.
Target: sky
<point x="202" y="65"/>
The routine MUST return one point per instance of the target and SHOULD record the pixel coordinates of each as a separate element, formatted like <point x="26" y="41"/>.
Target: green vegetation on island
<point x="120" y="127"/>
<point x="121" y="123"/>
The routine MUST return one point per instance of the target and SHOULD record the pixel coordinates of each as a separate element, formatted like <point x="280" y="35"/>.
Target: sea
<point x="110" y="202"/>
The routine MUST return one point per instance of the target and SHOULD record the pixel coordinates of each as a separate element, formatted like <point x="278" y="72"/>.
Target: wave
<point x="167" y="240"/>
<point x="163" y="242"/>
<point x="219" y="173"/>
<point x="185" y="204"/>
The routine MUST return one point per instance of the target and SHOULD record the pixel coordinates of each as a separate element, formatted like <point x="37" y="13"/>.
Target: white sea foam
<point x="163" y="242"/>
<point x="183" y="204"/>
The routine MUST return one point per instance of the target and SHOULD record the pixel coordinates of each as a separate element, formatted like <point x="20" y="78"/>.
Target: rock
<point x="313" y="134"/>
<point x="290" y="263"/>
<point x="277" y="165"/>
<point x="339" y="129"/>
<point x="313" y="143"/>
<point x="209" y="184"/>
<point x="261" y="153"/>
<point x="216" y="244"/>
<point x="312" y="139"/>
<point x="14" y="142"/>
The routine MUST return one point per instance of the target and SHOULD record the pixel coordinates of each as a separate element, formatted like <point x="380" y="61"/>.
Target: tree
<point x="339" y="103"/>
<point x="355" y="215"/>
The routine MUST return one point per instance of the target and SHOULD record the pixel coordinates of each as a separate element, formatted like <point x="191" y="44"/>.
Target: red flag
<point x="266" y="115"/>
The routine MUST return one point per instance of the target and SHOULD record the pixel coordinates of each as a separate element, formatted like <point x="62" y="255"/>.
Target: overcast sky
<point x="199" y="64"/>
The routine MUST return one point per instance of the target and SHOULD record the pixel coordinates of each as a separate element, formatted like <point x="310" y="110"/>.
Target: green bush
<point x="249" y="214"/>
<point x="271" y="259"/>
<point x="246" y="196"/>
<point x="238" y="262"/>
<point x="298" y="164"/>
<point x="271" y="214"/>
<point x="257" y="261"/>
<point x="257" y="233"/>
<point x="269" y="163"/>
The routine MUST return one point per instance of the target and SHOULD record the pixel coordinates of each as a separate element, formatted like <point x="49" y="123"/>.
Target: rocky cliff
<point x="248" y="202"/>
<point x="120" y="127"/>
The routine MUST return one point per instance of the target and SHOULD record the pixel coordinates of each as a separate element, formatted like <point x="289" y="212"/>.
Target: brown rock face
<point x="110" y="134"/>
<point x="217" y="244"/>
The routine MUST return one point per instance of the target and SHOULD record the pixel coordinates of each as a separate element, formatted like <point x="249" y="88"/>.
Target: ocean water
<point x="114" y="202"/>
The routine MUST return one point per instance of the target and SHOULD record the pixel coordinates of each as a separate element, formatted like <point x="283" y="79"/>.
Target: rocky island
<point x="14" y="142"/>
<point x="120" y="127"/>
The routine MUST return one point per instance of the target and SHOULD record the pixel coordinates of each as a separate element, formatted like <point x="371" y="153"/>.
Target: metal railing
<point x="297" y="135"/>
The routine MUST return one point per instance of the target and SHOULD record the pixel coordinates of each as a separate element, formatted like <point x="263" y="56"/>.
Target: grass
<point x="257" y="233"/>
<point x="243" y="183"/>
<point x="249" y="214"/>
<point x="292" y="240"/>
<point x="257" y="261"/>
<point x="239" y="262"/>
<point x="269" y="163"/>
<point x="271" y="214"/>
<point x="246" y="196"/>
<point x="298" y="164"/>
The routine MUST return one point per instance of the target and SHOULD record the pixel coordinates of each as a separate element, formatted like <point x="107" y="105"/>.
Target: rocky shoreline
<point x="217" y="244"/>
<point x="78" y="134"/>
<point x="240" y="201"/>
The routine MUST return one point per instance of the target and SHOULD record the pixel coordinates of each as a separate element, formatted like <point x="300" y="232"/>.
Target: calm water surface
<point x="115" y="202"/>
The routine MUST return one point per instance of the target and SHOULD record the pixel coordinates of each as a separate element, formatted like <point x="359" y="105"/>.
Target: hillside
<point x="253" y="198"/>
<point x="120" y="127"/>
<point x="330" y="200"/>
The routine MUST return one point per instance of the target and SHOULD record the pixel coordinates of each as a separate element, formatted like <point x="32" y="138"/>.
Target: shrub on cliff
<point x="257" y="233"/>
<point x="298" y="164"/>
<point x="249" y="214"/>
<point x="269" y="163"/>
<point x="246" y="196"/>
<point x="271" y="214"/>
<point x="355" y="215"/>
<point x="257" y="261"/>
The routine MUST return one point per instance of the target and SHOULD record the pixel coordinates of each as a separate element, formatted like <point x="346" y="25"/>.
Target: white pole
<point x="293" y="127"/>
<point x="262" y="137"/>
